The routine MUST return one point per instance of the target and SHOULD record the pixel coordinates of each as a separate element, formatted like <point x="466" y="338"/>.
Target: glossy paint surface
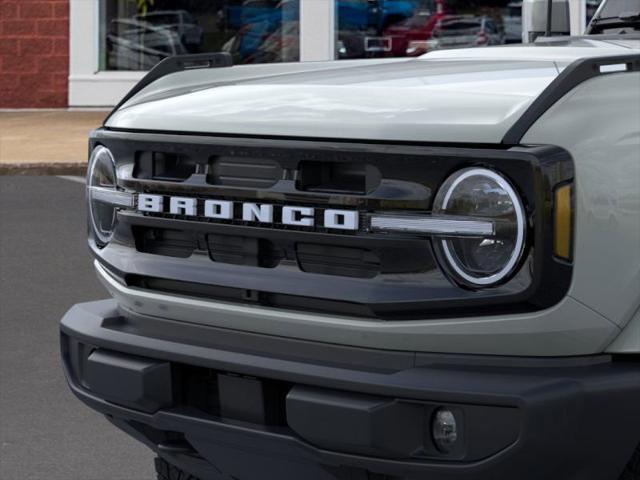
<point x="475" y="101"/>
<point x="468" y="95"/>
<point x="599" y="123"/>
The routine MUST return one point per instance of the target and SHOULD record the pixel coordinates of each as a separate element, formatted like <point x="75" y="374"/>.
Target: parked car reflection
<point x="135" y="45"/>
<point x="283" y="45"/>
<point x="263" y="24"/>
<point x="256" y="21"/>
<point x="414" y="31"/>
<point x="462" y="31"/>
<point x="179" y="21"/>
<point x="512" y="22"/>
<point x="363" y="26"/>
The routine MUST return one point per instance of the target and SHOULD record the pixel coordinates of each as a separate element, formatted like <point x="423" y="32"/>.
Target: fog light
<point x="444" y="430"/>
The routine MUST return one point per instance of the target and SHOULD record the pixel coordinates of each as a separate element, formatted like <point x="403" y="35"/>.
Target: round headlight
<point x="481" y="261"/>
<point x="101" y="176"/>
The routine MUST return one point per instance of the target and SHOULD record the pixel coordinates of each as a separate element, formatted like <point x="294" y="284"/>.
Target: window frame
<point x="91" y="87"/>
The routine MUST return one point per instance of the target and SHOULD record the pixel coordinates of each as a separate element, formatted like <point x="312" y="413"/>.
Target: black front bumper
<point x="217" y="402"/>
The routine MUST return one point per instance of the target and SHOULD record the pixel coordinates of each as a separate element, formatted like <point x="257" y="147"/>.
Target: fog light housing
<point x="444" y="430"/>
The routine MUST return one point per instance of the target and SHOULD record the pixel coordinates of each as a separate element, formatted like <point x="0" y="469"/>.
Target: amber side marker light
<point x="563" y="222"/>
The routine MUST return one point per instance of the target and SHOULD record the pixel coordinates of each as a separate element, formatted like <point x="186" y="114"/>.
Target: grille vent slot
<point x="244" y="251"/>
<point x="170" y="167"/>
<point x="334" y="260"/>
<point x="345" y="177"/>
<point x="161" y="241"/>
<point x="243" y="172"/>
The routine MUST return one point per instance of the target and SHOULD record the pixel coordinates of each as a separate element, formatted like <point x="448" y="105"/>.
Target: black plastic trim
<point x="177" y="63"/>
<point x="573" y="75"/>
<point x="563" y="408"/>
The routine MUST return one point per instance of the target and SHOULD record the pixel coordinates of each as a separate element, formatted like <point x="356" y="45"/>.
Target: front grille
<point x="358" y="272"/>
<point x="296" y="249"/>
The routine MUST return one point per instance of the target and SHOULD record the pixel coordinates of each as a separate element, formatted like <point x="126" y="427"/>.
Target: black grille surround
<point x="392" y="276"/>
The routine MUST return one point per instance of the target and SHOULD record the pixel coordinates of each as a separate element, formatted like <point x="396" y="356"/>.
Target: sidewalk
<point x="46" y="142"/>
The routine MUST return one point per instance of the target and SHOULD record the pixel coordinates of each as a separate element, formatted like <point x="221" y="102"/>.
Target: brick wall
<point x="34" y="53"/>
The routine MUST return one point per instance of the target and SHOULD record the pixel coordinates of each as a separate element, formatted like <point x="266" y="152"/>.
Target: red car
<point x="409" y="36"/>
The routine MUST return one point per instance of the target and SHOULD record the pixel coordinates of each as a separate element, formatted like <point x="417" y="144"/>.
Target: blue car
<point x="255" y="20"/>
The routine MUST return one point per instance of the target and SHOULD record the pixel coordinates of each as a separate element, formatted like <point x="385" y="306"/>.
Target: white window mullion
<point x="317" y="30"/>
<point x="89" y="87"/>
<point x="577" y="17"/>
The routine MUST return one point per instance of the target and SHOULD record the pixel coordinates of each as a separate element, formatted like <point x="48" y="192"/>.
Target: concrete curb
<point x="43" y="168"/>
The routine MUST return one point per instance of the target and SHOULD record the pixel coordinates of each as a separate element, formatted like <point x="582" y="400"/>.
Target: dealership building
<point x="89" y="53"/>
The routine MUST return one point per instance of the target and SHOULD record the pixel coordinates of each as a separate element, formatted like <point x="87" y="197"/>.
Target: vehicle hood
<point x="471" y="96"/>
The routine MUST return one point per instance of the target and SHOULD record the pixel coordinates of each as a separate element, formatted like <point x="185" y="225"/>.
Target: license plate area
<point x="250" y="399"/>
<point x="377" y="44"/>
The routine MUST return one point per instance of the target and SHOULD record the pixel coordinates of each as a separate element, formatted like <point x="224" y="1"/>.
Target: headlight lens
<point x="483" y="260"/>
<point x="101" y="179"/>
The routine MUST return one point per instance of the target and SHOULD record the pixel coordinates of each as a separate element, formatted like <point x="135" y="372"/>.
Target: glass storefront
<point x="137" y="34"/>
<point x="399" y="28"/>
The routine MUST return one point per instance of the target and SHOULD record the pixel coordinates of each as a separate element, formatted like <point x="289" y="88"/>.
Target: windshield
<point x="615" y="8"/>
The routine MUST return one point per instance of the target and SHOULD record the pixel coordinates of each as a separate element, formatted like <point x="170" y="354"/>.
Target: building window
<point x="137" y="34"/>
<point x="400" y="28"/>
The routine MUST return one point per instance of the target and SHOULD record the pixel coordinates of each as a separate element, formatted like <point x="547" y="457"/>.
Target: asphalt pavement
<point x="45" y="432"/>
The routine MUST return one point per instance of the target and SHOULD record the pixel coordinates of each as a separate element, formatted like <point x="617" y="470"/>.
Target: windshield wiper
<point x="632" y="17"/>
<point x="625" y="19"/>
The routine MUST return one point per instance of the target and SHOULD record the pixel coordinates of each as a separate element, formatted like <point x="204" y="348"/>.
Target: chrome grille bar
<point x="431" y="225"/>
<point x="112" y="197"/>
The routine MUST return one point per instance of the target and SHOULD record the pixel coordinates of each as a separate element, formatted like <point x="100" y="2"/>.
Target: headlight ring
<point x="101" y="182"/>
<point x="482" y="261"/>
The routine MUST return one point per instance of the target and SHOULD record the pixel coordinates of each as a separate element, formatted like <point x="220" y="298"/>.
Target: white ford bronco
<point x="385" y="269"/>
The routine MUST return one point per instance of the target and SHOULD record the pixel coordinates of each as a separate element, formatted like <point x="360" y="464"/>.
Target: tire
<point x="632" y="470"/>
<point x="166" y="471"/>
